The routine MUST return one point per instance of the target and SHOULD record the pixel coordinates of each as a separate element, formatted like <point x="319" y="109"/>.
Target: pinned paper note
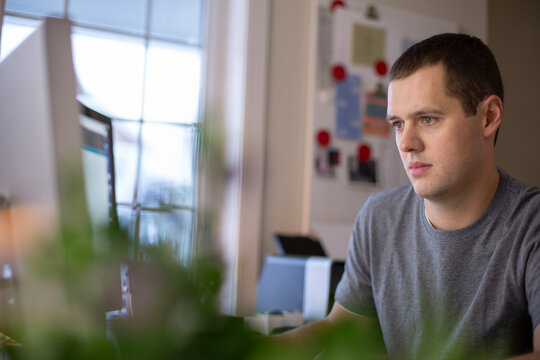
<point x="407" y="43"/>
<point x="326" y="157"/>
<point x="368" y="44"/>
<point x="324" y="47"/>
<point x="361" y="167"/>
<point x="375" y="118"/>
<point x="348" y="116"/>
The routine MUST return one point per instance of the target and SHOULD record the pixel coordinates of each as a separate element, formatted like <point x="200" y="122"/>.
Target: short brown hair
<point x="472" y="73"/>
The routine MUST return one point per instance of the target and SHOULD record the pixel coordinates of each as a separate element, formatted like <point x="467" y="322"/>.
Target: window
<point x="141" y="63"/>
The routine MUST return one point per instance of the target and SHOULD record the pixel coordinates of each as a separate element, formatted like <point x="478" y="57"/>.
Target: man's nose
<point x="409" y="139"/>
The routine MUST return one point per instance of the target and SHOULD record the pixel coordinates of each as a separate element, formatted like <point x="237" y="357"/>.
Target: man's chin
<point x="421" y="190"/>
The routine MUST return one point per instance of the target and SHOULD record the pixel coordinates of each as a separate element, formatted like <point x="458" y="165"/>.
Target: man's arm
<point x="536" y="354"/>
<point x="308" y="332"/>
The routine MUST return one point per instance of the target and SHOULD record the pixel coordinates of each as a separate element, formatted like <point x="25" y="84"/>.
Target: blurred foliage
<point x="174" y="309"/>
<point x="68" y="283"/>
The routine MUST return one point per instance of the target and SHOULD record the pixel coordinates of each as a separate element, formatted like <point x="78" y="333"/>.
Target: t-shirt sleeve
<point x="532" y="279"/>
<point x="354" y="291"/>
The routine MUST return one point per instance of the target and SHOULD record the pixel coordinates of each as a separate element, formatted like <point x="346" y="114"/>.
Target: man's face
<point x="440" y="146"/>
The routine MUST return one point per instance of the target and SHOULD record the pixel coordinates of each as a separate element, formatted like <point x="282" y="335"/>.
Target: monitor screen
<point x="98" y="166"/>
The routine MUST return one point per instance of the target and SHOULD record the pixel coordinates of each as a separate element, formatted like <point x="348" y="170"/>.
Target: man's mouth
<point x="418" y="168"/>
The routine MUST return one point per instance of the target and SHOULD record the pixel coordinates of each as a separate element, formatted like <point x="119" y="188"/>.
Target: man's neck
<point x="458" y="212"/>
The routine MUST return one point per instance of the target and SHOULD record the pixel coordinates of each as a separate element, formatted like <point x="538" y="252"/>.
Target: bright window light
<point x="173" y="81"/>
<point x="110" y="69"/>
<point x="14" y="32"/>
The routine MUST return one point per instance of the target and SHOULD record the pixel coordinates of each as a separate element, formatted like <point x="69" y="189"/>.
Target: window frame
<point x="136" y="205"/>
<point x="237" y="61"/>
<point x="233" y="30"/>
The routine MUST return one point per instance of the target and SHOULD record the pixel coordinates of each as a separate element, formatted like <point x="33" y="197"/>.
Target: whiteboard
<point x="349" y="38"/>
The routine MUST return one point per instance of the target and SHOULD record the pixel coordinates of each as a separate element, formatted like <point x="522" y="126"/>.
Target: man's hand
<point x="318" y="334"/>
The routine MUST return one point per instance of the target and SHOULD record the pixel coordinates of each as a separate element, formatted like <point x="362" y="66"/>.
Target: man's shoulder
<point x="519" y="196"/>
<point x="518" y="191"/>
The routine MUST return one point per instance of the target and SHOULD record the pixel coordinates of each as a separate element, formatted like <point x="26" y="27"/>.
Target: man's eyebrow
<point x="427" y="111"/>
<point x="392" y="117"/>
<point x="417" y="113"/>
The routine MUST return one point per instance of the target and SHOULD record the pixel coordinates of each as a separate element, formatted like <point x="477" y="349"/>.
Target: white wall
<point x="291" y="52"/>
<point x="514" y="35"/>
<point x="471" y="16"/>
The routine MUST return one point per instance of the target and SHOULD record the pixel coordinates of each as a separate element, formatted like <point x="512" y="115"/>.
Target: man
<point x="449" y="265"/>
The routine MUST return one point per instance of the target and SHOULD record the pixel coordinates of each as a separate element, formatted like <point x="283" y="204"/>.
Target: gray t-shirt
<point x="447" y="294"/>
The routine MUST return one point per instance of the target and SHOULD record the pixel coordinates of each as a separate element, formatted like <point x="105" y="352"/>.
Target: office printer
<point x="300" y="278"/>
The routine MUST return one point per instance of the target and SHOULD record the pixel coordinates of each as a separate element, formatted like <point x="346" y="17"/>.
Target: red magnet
<point x="339" y="73"/>
<point x="335" y="4"/>
<point x="381" y="68"/>
<point x="363" y="153"/>
<point x="323" y="138"/>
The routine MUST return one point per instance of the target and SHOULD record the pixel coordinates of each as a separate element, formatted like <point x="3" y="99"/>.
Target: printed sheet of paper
<point x="407" y="43"/>
<point x="368" y="44"/>
<point x="375" y="118"/>
<point x="324" y="47"/>
<point x="348" y="118"/>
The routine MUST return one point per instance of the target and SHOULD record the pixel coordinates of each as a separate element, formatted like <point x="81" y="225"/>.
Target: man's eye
<point x="397" y="125"/>
<point x="428" y="120"/>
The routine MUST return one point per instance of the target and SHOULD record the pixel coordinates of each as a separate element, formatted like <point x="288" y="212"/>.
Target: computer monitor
<point x="40" y="137"/>
<point x="98" y="167"/>
<point x="41" y="175"/>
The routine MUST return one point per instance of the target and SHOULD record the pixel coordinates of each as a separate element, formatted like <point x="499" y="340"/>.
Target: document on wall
<point x="324" y="47"/>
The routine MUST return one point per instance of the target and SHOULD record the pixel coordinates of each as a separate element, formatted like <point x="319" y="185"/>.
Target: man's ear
<point x="492" y="113"/>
